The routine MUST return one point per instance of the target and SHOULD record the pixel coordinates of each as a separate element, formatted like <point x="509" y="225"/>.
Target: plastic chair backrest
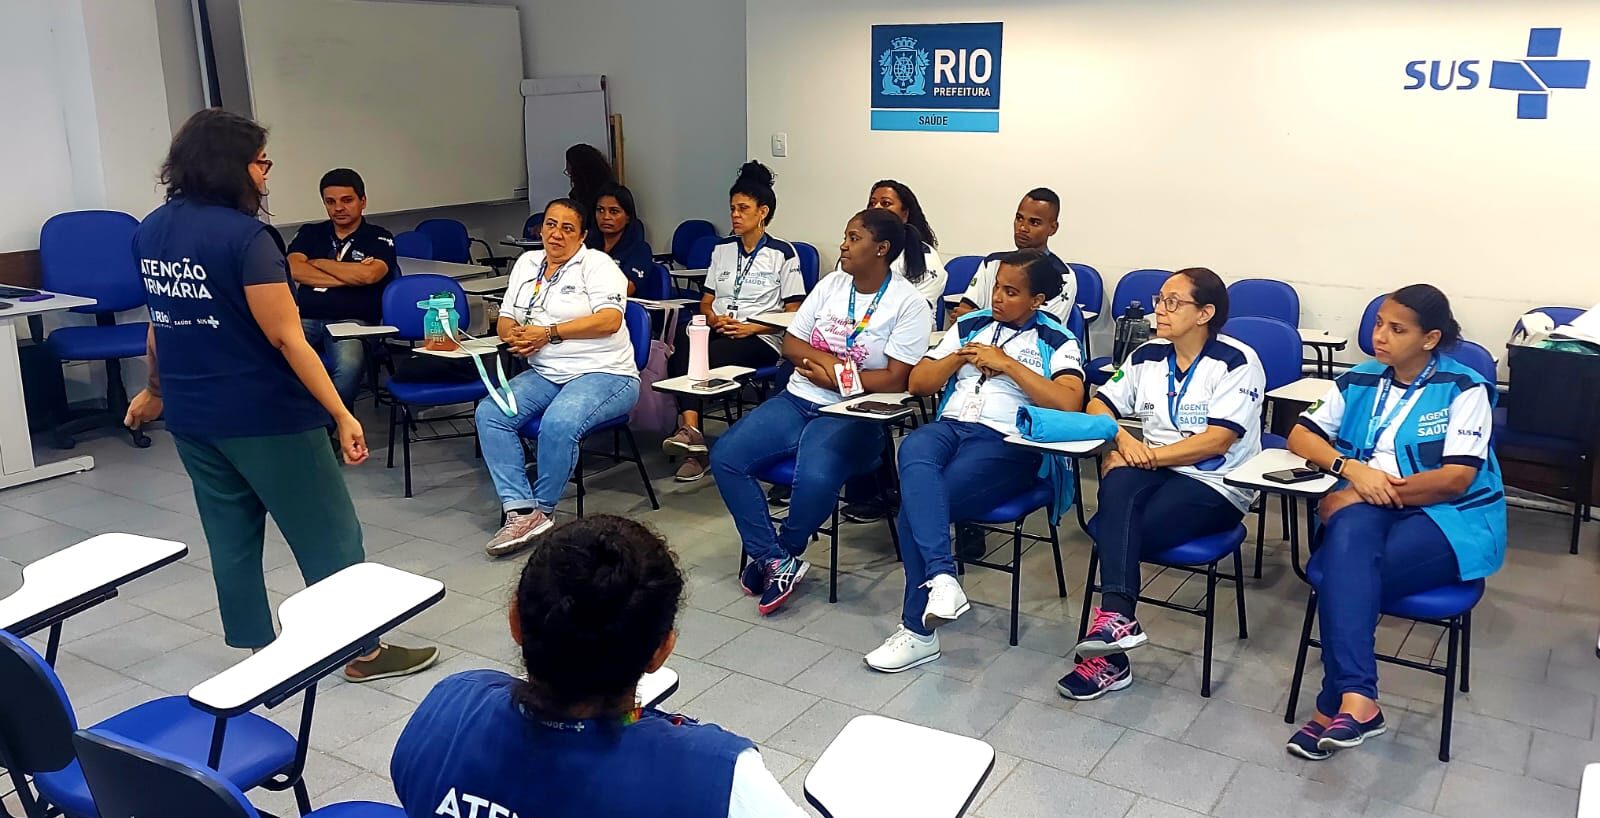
<point x="530" y="228"/>
<point x="133" y="780"/>
<point x="1561" y="315"/>
<point x="36" y="719"/>
<point x="1080" y="330"/>
<point x="686" y="236"/>
<point x="1264" y="298"/>
<point x="450" y="240"/>
<point x="810" y="264"/>
<point x="638" y="323"/>
<point x="400" y="302"/>
<point x="90" y="253"/>
<point x="658" y="285"/>
<point x="959" y="272"/>
<point x="1141" y="286"/>
<point x="1369" y="319"/>
<point x="1475" y="357"/>
<point x="1275" y="342"/>
<point x="699" y="257"/>
<point x="1091" y="289"/>
<point x="413" y="244"/>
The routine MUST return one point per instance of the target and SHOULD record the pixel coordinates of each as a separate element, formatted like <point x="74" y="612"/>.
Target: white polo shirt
<point x="589" y="282"/>
<point x="899" y="328"/>
<point x="933" y="280"/>
<point x="982" y="287"/>
<point x="748" y="285"/>
<point x="1001" y="396"/>
<point x="1469" y="425"/>
<point x="1225" y="388"/>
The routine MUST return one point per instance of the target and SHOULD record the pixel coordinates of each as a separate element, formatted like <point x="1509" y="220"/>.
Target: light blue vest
<point x="1475" y="522"/>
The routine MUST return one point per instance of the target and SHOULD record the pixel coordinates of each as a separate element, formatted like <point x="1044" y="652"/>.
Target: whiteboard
<point x="420" y="98"/>
<point x="558" y="113"/>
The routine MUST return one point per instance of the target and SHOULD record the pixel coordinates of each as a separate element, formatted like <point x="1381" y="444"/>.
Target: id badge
<point x="848" y="378"/>
<point x="972" y="409"/>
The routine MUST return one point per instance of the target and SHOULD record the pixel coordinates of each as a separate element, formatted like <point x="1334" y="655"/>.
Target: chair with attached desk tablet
<point x="89" y="253"/>
<point x="958" y="276"/>
<point x="1091" y="298"/>
<point x="37" y="722"/>
<point x="849" y="778"/>
<point x="79" y="577"/>
<point x="413" y="244"/>
<point x="1277" y="345"/>
<point x="131" y="779"/>
<point x="452" y="242"/>
<point x="400" y="311"/>
<point x="637" y="322"/>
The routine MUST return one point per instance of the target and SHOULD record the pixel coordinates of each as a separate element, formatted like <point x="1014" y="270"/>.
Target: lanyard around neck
<point x="983" y="377"/>
<point x="741" y="266"/>
<point x="1175" y="390"/>
<point x="539" y="282"/>
<point x="866" y="317"/>
<point x="1377" y="425"/>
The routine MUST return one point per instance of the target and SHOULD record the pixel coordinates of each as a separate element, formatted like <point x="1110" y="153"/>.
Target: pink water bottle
<point x="699" y="337"/>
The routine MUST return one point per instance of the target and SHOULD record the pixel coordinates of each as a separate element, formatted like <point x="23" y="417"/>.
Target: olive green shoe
<point x="390" y="662"/>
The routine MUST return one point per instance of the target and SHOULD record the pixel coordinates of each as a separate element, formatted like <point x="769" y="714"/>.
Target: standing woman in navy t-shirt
<point x="245" y="396"/>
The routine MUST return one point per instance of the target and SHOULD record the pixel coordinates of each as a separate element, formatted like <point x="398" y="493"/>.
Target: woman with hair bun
<point x="1421" y="504"/>
<point x="595" y="609"/>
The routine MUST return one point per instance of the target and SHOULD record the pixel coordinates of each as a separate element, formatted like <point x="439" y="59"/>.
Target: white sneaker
<point x="903" y="650"/>
<point x="946" y="601"/>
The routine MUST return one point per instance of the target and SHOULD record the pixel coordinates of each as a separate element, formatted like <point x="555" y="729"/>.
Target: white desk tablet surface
<point x="842" y="408"/>
<point x="857" y="774"/>
<point x="1071" y="448"/>
<point x="684" y="385"/>
<point x="1248" y="475"/>
<point x="654" y="688"/>
<point x="74" y="578"/>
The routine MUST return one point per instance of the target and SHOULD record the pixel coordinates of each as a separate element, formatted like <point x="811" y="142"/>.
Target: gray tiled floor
<point x="1157" y="750"/>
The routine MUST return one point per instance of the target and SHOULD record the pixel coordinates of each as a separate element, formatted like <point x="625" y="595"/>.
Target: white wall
<point x="1262" y="139"/>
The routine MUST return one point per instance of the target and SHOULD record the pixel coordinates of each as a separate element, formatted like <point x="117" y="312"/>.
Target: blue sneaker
<point x="1096" y="676"/>
<point x="1110" y="633"/>
<point x="754" y="577"/>
<point x="1345" y="732"/>
<point x="782" y="577"/>
<point x="1305" y="743"/>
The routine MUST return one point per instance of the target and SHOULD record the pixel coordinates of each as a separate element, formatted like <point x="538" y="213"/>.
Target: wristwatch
<point x="1338" y="466"/>
<point x="555" y="337"/>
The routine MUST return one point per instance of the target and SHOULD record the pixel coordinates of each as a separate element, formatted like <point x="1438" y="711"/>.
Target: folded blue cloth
<point x="1055" y="426"/>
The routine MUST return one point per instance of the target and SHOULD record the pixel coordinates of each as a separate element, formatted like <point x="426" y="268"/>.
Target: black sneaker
<point x="1304" y="743"/>
<point x="1345" y="732"/>
<point x="869" y="511"/>
<point x="778" y="496"/>
<point x="1095" y="677"/>
<point x="971" y="542"/>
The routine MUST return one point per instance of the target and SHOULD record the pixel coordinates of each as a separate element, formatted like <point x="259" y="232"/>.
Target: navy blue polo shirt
<point x="364" y="303"/>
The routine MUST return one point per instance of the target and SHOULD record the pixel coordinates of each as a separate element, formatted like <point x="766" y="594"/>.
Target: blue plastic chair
<point x="637" y="323"/>
<point x="532" y="224"/>
<point x="1369" y="319"/>
<point x="1199" y="556"/>
<point x="959" y="272"/>
<point x="1091" y="289"/>
<point x="781" y="473"/>
<point x="130" y="779"/>
<point x="37" y="722"/>
<point x="1264" y="298"/>
<point x="1449" y="607"/>
<point x="658" y="286"/>
<point x="1008" y="517"/>
<point x="810" y="264"/>
<point x="413" y="244"/>
<point x="400" y="311"/>
<point x="1475" y="357"/>
<point x="1278" y="346"/>
<point x="452" y="243"/>
<point x="1137" y="285"/>
<point x="686" y="237"/>
<point x="89" y="253"/>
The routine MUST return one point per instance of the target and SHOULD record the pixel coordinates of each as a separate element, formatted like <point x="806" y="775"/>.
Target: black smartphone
<point x="1296" y="475"/>
<point x="8" y="291"/>
<point x="711" y="384"/>
<point x="877" y="407"/>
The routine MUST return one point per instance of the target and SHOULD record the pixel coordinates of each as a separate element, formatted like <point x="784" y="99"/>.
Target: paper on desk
<point x="1585" y="327"/>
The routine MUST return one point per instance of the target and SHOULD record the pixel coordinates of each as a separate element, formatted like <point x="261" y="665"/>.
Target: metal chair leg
<point x="1261" y="529"/>
<point x="405" y="443"/>
<point x="833" y="556"/>
<point x="644" y="476"/>
<point x="1088" y="592"/>
<point x="394" y="411"/>
<point x="1466" y="650"/>
<point x="578" y="473"/>
<point x="1454" y="632"/>
<point x="1016" y="577"/>
<point x="1055" y="550"/>
<point x="1238" y="594"/>
<point x="1211" y="617"/>
<point x="1300" y="658"/>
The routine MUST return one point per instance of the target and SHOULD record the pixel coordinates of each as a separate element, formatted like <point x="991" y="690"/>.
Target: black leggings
<point x="721" y="350"/>
<point x="1151" y="511"/>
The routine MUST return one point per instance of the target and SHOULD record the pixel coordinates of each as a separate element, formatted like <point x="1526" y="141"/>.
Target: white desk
<point x="664" y="304"/>
<point x="1248" y="475"/>
<point x="684" y="385"/>
<point x="688" y="274"/>
<point x="854" y="777"/>
<point x="1305" y="390"/>
<point x="935" y="337"/>
<point x="418" y="266"/>
<point x="80" y="577"/>
<point x="1323" y="344"/>
<point x="1088" y="315"/>
<point x="468" y="349"/>
<point x="654" y="688"/>
<point x="324" y="627"/>
<point x="486" y="286"/>
<point x="778" y="320"/>
<point x="1070" y="448"/>
<point x="351" y="329"/>
<point x="16" y="446"/>
<point x="1589" y="793"/>
<point x="522" y="244"/>
<point x="953" y="299"/>
<point x="842" y="408"/>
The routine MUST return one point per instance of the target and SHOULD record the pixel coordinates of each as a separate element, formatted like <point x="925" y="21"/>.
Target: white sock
<point x="919" y="637"/>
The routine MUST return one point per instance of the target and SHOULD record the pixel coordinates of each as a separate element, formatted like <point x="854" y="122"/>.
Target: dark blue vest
<point x="220" y="377"/>
<point x="470" y="743"/>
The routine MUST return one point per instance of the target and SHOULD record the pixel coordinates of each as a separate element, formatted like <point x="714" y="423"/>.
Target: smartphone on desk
<point x="1299" y="474"/>
<point x="877" y="407"/>
<point x="710" y="384"/>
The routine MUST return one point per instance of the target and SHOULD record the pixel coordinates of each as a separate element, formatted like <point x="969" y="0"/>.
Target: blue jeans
<point x="1149" y="511"/>
<point x="345" y="359"/>
<point x="945" y="464"/>
<point x="567" y="411"/>
<point x="827" y="450"/>
<point x="1369" y="556"/>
